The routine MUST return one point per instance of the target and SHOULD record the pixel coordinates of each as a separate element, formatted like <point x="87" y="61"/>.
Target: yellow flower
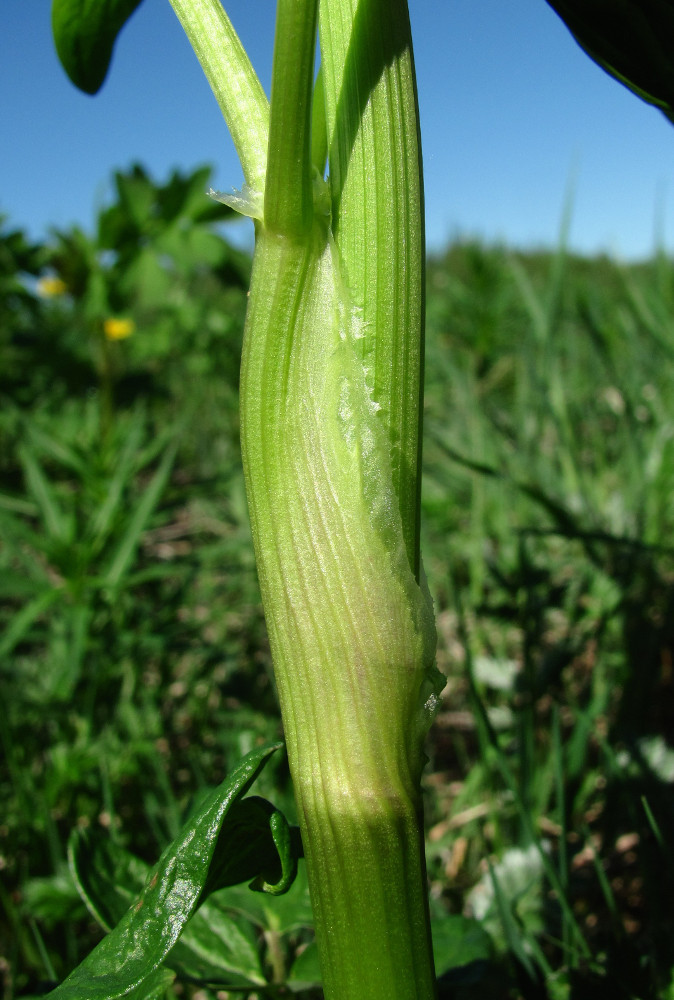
<point x="50" y="288"/>
<point x="115" y="328"/>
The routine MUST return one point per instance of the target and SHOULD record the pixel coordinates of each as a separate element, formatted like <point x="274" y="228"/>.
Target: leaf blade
<point x="145" y="936"/>
<point x="84" y="33"/>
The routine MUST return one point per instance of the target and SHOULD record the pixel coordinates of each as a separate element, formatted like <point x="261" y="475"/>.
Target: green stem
<point x="367" y="873"/>
<point x="330" y="426"/>
<point x="377" y="216"/>
<point x="351" y="632"/>
<point x="233" y="80"/>
<point x="288" y="204"/>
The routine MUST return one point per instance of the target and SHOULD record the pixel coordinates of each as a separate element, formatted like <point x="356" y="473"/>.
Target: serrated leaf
<point x="85" y="32"/>
<point x="149" y="930"/>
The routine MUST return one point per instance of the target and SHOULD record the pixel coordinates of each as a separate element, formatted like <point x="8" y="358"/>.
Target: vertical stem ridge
<point x="375" y="169"/>
<point x="288" y="204"/>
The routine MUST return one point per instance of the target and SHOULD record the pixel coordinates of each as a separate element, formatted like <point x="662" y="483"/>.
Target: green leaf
<point x="123" y="557"/>
<point x="56" y="523"/>
<point x="305" y="973"/>
<point x="125" y="465"/>
<point x="154" y="987"/>
<point x="216" y="944"/>
<point x="145" y="281"/>
<point x="630" y="39"/>
<point x="107" y="877"/>
<point x="254" y="844"/>
<point x="137" y="195"/>
<point x="285" y="914"/>
<point x="23" y="620"/>
<point x="67" y="653"/>
<point x="85" y="32"/>
<point x="459" y="942"/>
<point x="233" y="81"/>
<point x="150" y="928"/>
<point x="288" y="198"/>
<point x="220" y="948"/>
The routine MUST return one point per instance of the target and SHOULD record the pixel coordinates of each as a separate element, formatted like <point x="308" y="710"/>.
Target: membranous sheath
<point x="351" y="631"/>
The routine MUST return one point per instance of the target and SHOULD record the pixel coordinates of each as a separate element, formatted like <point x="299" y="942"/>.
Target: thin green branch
<point x="233" y="80"/>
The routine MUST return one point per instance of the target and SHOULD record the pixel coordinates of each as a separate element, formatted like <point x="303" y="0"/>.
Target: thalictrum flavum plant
<point x="331" y="386"/>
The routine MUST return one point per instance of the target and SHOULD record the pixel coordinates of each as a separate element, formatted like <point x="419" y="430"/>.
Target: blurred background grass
<point x="134" y="667"/>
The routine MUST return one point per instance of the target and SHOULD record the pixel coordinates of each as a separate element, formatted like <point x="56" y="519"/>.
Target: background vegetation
<point x="134" y="667"/>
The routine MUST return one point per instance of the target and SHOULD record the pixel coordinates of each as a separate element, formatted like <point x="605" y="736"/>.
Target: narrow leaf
<point x="124" y="468"/>
<point x="42" y="491"/>
<point x="123" y="557"/>
<point x="23" y="619"/>
<point x="288" y="202"/>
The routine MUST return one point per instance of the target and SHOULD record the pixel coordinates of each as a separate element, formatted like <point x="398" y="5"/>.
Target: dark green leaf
<point x="459" y="942"/>
<point x="84" y="34"/>
<point x="154" y="987"/>
<point x="220" y="948"/>
<point x="56" y="523"/>
<point x="122" y="558"/>
<point x="150" y="928"/>
<point x="107" y="877"/>
<point x="23" y="619"/>
<point x="285" y="914"/>
<point x="215" y="946"/>
<point x="137" y="196"/>
<point x="306" y="969"/>
<point x="254" y="844"/>
<point x="631" y="39"/>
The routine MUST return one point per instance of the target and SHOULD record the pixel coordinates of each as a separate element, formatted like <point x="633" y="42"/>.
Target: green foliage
<point x="227" y="840"/>
<point x="553" y="566"/>
<point x="630" y="40"/>
<point x="84" y="34"/>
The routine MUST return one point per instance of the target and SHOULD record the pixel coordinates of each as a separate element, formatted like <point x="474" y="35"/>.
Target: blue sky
<point x="514" y="117"/>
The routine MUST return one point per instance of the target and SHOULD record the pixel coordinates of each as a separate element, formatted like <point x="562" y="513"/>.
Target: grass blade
<point x="123" y="557"/>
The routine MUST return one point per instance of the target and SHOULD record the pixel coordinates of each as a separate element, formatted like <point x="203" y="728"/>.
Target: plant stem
<point x="330" y="426"/>
<point x="378" y="217"/>
<point x="351" y="632"/>
<point x="233" y="80"/>
<point x="367" y="872"/>
<point x="288" y="204"/>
